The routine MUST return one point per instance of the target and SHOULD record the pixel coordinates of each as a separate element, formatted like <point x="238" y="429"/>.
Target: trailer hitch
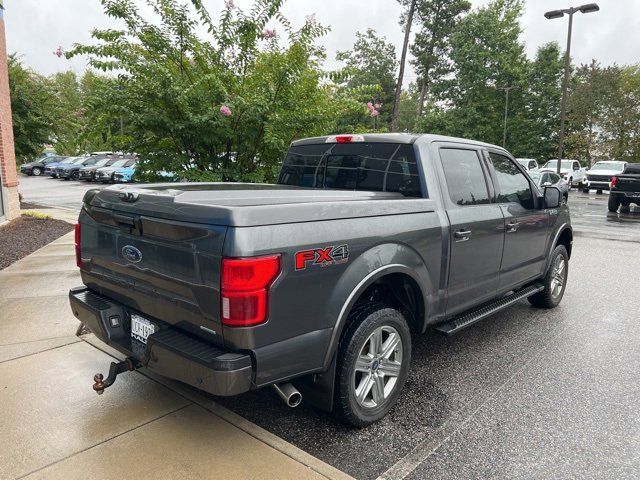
<point x="127" y="365"/>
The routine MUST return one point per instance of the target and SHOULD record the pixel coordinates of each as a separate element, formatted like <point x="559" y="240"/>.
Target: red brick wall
<point x="7" y="152"/>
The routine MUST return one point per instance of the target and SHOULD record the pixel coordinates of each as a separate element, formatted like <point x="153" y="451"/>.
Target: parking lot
<point x="54" y="192"/>
<point x="524" y="394"/>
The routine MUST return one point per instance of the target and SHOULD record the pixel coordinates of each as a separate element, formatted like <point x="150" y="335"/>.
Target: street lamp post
<point x="588" y="8"/>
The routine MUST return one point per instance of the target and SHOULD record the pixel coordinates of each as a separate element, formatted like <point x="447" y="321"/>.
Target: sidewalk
<point x="53" y="426"/>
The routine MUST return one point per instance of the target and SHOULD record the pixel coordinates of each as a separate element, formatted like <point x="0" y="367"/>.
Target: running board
<point x="456" y="324"/>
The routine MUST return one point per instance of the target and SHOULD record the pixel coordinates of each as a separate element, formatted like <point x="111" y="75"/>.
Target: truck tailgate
<point x="628" y="183"/>
<point x="168" y="270"/>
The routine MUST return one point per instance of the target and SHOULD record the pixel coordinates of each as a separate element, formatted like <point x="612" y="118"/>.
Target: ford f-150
<point x="317" y="284"/>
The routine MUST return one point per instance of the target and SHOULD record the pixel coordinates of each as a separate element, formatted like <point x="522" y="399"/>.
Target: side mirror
<point x="552" y="197"/>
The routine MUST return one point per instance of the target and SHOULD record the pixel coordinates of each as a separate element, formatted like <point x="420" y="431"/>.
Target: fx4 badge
<point x="332" y="255"/>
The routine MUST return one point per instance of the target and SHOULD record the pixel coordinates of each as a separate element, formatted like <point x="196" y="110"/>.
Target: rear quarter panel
<point x="305" y="305"/>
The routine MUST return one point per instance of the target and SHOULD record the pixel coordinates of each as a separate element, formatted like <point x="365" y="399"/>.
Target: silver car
<point x="547" y="179"/>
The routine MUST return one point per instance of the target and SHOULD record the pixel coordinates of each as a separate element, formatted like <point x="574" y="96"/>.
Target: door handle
<point x="512" y="226"/>
<point x="462" y="235"/>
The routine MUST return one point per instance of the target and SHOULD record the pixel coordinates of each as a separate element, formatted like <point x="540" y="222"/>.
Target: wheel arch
<point x="390" y="266"/>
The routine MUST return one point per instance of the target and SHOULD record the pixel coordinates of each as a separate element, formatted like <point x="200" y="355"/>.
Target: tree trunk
<point x="423" y="92"/>
<point x="405" y="46"/>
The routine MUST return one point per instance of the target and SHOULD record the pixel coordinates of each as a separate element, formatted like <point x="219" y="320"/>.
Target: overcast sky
<point x="35" y="28"/>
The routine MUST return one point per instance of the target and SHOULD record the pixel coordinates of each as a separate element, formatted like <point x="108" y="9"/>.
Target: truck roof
<point x="397" y="138"/>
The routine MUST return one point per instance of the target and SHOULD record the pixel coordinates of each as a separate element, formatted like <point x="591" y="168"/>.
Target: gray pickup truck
<point x="316" y="285"/>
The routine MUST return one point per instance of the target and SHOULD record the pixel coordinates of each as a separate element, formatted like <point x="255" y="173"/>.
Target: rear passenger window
<point x="464" y="176"/>
<point x="514" y="186"/>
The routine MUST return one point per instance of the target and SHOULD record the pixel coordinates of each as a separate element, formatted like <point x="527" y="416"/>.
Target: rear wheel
<point x="599" y="192"/>
<point x="554" y="281"/>
<point x="75" y="175"/>
<point x="372" y="364"/>
<point x="614" y="203"/>
<point x="36" y="171"/>
<point x="585" y="190"/>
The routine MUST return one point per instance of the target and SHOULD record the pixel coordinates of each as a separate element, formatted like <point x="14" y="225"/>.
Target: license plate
<point x="141" y="328"/>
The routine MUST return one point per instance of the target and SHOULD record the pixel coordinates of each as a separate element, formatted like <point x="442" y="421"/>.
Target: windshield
<point x="554" y="164"/>
<point x="608" y="166"/>
<point x="119" y="163"/>
<point x="378" y="167"/>
<point x="102" y="163"/>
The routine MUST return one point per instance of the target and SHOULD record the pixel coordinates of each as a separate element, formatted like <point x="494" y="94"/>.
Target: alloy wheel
<point x="558" y="276"/>
<point x="378" y="366"/>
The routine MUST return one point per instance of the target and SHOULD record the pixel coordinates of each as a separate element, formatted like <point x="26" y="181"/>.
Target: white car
<point x="571" y="171"/>
<point x="599" y="176"/>
<point x="528" y="163"/>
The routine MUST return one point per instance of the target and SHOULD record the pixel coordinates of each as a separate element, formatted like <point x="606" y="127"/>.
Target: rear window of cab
<point x="378" y="167"/>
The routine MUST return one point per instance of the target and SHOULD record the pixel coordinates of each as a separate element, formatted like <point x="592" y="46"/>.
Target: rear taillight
<point x="614" y="181"/>
<point x="77" y="242"/>
<point x="245" y="289"/>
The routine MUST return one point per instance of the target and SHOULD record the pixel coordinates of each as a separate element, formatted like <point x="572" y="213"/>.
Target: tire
<point x="75" y="175"/>
<point x="599" y="192"/>
<point x="570" y="183"/>
<point x="558" y="271"/>
<point x="36" y="171"/>
<point x="367" y="322"/>
<point x="585" y="190"/>
<point x="613" y="204"/>
<point x="566" y="197"/>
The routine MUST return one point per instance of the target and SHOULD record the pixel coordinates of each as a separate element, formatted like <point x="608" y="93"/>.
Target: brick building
<point x="9" y="203"/>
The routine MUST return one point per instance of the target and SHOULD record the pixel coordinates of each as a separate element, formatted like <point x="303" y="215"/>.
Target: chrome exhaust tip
<point x="288" y="393"/>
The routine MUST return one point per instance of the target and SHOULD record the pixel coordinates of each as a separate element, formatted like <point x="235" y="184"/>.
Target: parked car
<point x="528" y="163"/>
<point x="547" y="179"/>
<point x="88" y="173"/>
<point x="571" y="171"/>
<point x="625" y="188"/>
<point x="107" y="174"/>
<point x="71" y="171"/>
<point x="52" y="168"/>
<point x="599" y="176"/>
<point x="124" y="174"/>
<point x="37" y="167"/>
<point x="316" y="285"/>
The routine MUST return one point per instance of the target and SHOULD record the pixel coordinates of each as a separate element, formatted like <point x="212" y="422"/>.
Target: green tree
<point x="368" y="76"/>
<point x="32" y="108"/>
<point x="487" y="57"/>
<point x="589" y="90"/>
<point x="220" y="108"/>
<point x="407" y="21"/>
<point x="535" y="135"/>
<point x="620" y="122"/>
<point x="431" y="47"/>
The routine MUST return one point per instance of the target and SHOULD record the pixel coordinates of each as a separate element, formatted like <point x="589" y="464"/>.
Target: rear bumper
<point x="629" y="195"/>
<point x="596" y="184"/>
<point x="169" y="352"/>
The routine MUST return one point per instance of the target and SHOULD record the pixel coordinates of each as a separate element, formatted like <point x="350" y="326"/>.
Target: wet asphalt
<point x="526" y="393"/>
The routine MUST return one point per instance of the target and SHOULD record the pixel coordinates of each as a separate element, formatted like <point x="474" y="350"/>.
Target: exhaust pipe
<point x="290" y="394"/>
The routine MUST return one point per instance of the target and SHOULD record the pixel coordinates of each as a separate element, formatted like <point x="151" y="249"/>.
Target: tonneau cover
<point x="245" y="205"/>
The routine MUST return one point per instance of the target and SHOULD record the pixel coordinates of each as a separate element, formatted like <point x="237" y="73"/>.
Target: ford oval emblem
<point x="131" y="253"/>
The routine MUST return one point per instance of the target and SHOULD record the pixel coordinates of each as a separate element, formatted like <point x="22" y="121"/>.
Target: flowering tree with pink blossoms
<point x="222" y="107"/>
